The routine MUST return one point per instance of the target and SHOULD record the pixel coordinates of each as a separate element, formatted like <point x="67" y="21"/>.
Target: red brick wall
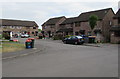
<point x="114" y="39"/>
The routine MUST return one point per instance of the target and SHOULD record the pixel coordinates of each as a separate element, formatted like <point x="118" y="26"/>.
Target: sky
<point x="41" y="11"/>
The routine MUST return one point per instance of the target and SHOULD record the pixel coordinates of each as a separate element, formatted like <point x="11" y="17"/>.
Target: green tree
<point x="39" y="30"/>
<point x="93" y="21"/>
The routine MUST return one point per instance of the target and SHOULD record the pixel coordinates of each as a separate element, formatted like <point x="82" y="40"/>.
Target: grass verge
<point x="11" y="47"/>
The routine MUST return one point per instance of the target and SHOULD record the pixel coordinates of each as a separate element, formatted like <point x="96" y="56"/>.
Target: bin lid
<point x="28" y="40"/>
<point x="15" y="40"/>
<point x="92" y="36"/>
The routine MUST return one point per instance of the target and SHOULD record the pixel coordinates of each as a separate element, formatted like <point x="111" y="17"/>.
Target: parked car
<point x="85" y="37"/>
<point x="25" y="36"/>
<point x="74" y="40"/>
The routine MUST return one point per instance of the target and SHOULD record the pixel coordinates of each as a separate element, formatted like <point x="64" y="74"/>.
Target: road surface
<point x="64" y="60"/>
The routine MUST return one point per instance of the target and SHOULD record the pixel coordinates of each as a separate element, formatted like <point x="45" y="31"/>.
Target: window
<point x="45" y="27"/>
<point x="118" y="20"/>
<point x="12" y="27"/>
<point x="32" y="32"/>
<point x="117" y="33"/>
<point x="34" y="27"/>
<point x="66" y="33"/>
<point x="18" y="27"/>
<point x="89" y="33"/>
<point x="76" y="33"/>
<point x="27" y="27"/>
<point x="82" y="32"/>
<point x="77" y="24"/>
<point x="71" y="25"/>
<point x="110" y="23"/>
<point x="4" y="27"/>
<point x="51" y="26"/>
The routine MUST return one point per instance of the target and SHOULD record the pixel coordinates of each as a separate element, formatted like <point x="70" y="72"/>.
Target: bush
<point x="67" y="36"/>
<point x="6" y="36"/>
<point x="0" y="36"/>
<point x="58" y="37"/>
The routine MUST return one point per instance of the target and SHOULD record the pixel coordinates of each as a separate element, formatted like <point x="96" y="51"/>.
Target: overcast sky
<point x="42" y="11"/>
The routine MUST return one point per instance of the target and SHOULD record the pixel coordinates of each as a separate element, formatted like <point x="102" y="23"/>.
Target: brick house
<point x="66" y="27"/>
<point x="80" y="25"/>
<point x="18" y="27"/>
<point x="115" y="29"/>
<point x="102" y="28"/>
<point x="51" y="26"/>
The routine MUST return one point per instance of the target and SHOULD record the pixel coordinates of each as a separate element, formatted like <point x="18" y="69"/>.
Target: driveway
<point x="64" y="60"/>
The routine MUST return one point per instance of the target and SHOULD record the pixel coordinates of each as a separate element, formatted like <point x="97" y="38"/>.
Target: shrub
<point x="6" y="36"/>
<point x="57" y="37"/>
<point x="67" y="36"/>
<point x="0" y="36"/>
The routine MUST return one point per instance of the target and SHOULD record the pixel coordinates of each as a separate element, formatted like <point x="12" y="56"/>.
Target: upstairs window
<point x="18" y="27"/>
<point x="34" y="27"/>
<point x="71" y="25"/>
<point x="51" y="26"/>
<point x="27" y="27"/>
<point x="12" y="27"/>
<point x="77" y="24"/>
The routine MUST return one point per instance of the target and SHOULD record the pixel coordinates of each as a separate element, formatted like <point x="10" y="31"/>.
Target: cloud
<point x="42" y="11"/>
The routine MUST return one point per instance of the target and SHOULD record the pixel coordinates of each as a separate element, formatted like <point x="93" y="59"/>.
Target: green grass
<point x="11" y="47"/>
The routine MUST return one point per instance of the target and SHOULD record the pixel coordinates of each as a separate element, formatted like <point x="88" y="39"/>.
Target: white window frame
<point x="18" y="27"/>
<point x="110" y="23"/>
<point x="12" y="27"/>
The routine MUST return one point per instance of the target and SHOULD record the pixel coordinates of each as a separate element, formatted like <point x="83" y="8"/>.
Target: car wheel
<point x="76" y="43"/>
<point x="64" y="42"/>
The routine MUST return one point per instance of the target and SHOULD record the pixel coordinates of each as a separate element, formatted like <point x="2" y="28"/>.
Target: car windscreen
<point x="79" y="37"/>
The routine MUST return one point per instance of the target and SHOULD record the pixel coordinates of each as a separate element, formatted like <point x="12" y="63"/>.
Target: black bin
<point x="92" y="39"/>
<point x="32" y="43"/>
<point x="28" y="44"/>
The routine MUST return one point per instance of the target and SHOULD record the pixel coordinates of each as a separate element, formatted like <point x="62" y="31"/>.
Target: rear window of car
<point x="78" y="36"/>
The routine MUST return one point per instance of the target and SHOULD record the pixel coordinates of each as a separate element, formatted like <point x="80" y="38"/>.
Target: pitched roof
<point x="8" y="22"/>
<point x="53" y="21"/>
<point x="100" y="13"/>
<point x="69" y="20"/>
<point x="117" y="14"/>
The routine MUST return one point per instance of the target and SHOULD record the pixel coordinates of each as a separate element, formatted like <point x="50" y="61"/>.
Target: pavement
<point x="37" y="48"/>
<point x="22" y="52"/>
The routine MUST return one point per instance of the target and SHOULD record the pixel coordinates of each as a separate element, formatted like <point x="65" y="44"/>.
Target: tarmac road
<point x="64" y="60"/>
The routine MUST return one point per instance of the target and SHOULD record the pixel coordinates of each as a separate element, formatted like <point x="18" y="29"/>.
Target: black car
<point x="74" y="40"/>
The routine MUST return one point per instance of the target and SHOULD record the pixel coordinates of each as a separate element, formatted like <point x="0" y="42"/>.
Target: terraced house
<point x="67" y="26"/>
<point x="18" y="27"/>
<point x="102" y="28"/>
<point x="51" y="26"/>
<point x="80" y="25"/>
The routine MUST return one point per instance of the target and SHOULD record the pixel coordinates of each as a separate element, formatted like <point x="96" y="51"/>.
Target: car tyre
<point x="64" y="42"/>
<point x="76" y="43"/>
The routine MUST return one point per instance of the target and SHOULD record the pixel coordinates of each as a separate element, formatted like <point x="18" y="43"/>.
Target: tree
<point x="93" y="21"/>
<point x="39" y="30"/>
